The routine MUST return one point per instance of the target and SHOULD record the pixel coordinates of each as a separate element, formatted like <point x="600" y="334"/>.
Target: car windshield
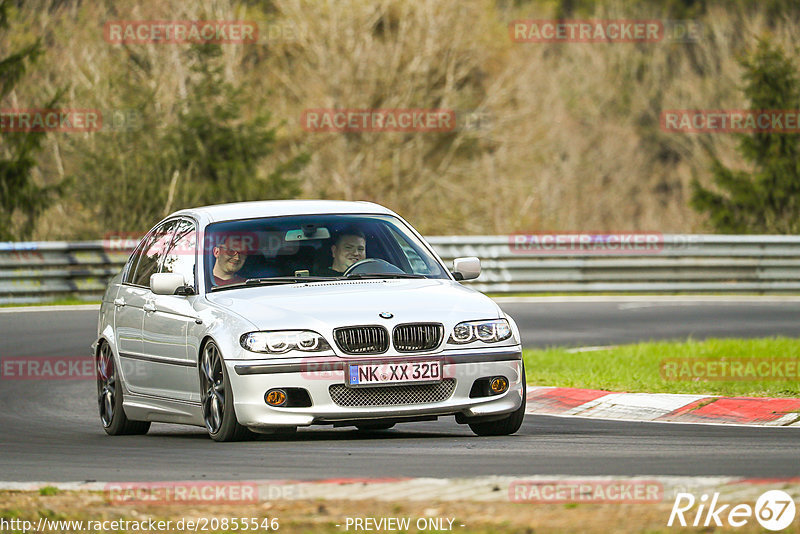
<point x="297" y="249"/>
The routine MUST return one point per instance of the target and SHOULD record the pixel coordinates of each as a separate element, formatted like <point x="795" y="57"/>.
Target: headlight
<point x="486" y="331"/>
<point x="280" y="342"/>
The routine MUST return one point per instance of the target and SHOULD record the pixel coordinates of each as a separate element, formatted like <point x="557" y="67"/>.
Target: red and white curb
<point x="534" y="488"/>
<point x="664" y="407"/>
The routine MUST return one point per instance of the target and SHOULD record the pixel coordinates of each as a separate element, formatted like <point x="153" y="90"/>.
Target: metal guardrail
<point x="672" y="264"/>
<point x="42" y="271"/>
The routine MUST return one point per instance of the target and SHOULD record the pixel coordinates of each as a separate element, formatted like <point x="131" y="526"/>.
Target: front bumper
<point x="250" y="380"/>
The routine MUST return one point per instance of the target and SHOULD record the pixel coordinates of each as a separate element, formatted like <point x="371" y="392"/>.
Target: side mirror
<point x="466" y="268"/>
<point x="168" y="284"/>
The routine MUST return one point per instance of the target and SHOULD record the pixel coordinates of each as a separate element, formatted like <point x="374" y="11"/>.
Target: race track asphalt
<point x="51" y="431"/>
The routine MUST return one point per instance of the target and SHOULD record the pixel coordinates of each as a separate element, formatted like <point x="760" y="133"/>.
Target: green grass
<point x="48" y="491"/>
<point x="642" y="294"/>
<point x="637" y="368"/>
<point x="56" y="302"/>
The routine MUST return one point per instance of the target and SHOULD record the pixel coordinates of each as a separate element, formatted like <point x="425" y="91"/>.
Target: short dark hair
<point x="350" y="230"/>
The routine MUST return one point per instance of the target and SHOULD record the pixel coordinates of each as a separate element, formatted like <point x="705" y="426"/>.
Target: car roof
<point x="273" y="208"/>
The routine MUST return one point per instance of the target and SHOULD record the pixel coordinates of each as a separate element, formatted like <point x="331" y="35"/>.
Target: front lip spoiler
<point x="338" y="365"/>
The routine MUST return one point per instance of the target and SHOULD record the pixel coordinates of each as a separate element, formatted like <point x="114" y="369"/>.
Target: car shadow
<point x="320" y="435"/>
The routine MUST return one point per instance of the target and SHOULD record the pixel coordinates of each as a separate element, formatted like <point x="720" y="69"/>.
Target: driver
<point x="349" y="247"/>
<point x="229" y="258"/>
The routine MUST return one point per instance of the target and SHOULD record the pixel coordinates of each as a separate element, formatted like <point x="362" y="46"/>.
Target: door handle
<point x="119" y="303"/>
<point x="149" y="307"/>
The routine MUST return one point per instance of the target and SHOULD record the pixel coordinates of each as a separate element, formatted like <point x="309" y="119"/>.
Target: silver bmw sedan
<point x="267" y="316"/>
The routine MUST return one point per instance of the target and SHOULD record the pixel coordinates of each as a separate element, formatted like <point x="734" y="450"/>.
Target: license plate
<point x="381" y="374"/>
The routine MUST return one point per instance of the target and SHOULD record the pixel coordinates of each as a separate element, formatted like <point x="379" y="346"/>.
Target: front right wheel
<point x="509" y="424"/>
<point x="217" y="398"/>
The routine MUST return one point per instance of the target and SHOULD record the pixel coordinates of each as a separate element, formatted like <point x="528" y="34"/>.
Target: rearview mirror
<point x="467" y="268"/>
<point x="308" y="232"/>
<point x="167" y="284"/>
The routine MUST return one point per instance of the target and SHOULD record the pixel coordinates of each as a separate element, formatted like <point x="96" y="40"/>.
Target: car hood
<point x="323" y="306"/>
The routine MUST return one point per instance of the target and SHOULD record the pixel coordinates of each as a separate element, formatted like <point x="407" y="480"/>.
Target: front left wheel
<point x="217" y="398"/>
<point x="109" y="398"/>
<point x="507" y="425"/>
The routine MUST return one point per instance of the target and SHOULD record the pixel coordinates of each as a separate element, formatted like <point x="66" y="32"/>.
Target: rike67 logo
<point x="774" y="510"/>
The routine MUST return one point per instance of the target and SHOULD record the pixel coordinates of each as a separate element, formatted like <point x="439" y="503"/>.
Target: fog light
<point x="498" y="385"/>
<point x="275" y="397"/>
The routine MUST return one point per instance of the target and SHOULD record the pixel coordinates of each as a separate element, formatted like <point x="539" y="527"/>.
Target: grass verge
<point x="57" y="302"/>
<point x="659" y="367"/>
<point x="330" y="516"/>
<point x="693" y="294"/>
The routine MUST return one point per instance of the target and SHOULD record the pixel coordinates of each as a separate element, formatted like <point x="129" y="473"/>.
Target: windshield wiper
<point x="287" y="280"/>
<point x="363" y="276"/>
<point x="275" y="280"/>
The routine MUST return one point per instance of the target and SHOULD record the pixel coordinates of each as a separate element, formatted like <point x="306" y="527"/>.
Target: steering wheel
<point x="370" y="266"/>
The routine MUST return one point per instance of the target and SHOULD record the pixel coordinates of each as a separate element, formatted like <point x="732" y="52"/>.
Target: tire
<point x="506" y="426"/>
<point x="109" y="398"/>
<point x="217" y="398"/>
<point x="372" y="427"/>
